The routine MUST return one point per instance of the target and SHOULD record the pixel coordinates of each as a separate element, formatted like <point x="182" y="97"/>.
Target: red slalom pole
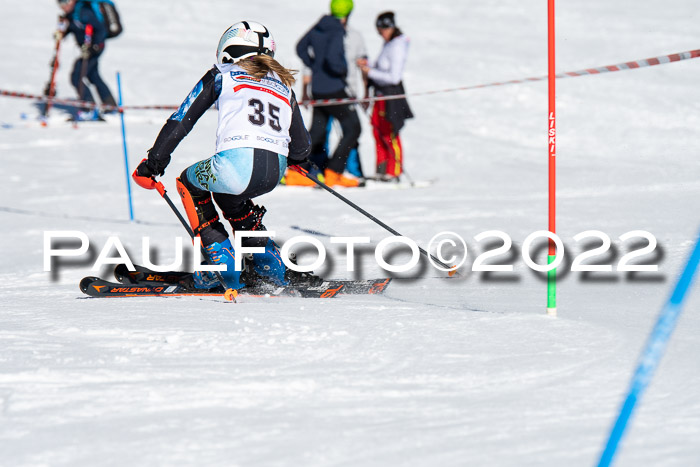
<point x="552" y="143"/>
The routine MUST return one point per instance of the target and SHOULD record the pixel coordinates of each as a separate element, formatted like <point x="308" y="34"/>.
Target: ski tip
<point x="86" y="282"/>
<point x="452" y="272"/>
<point x="231" y="295"/>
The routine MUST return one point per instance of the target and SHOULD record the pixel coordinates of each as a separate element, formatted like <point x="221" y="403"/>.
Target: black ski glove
<point x="145" y="169"/>
<point x="291" y="162"/>
<point x="156" y="165"/>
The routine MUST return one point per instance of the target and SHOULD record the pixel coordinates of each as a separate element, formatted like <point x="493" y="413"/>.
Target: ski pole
<point x="151" y="184"/>
<point x="452" y="270"/>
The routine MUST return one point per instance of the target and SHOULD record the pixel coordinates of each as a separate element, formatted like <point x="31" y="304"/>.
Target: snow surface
<point x="436" y="372"/>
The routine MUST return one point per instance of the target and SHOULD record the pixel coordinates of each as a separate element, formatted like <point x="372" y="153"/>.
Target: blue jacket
<point x="321" y="49"/>
<point x="79" y="18"/>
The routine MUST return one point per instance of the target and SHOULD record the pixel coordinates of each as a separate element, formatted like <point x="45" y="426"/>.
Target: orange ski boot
<point x="294" y="178"/>
<point x="335" y="179"/>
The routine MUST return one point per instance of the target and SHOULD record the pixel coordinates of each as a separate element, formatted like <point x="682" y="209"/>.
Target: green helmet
<point x="341" y="8"/>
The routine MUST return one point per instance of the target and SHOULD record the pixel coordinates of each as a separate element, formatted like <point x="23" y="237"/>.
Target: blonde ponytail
<point x="259" y="66"/>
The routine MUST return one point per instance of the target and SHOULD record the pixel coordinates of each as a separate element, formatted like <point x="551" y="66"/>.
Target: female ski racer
<point x="260" y="132"/>
<point x="388" y="116"/>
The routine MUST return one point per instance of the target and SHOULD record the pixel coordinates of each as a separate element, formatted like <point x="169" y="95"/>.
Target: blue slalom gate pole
<point x="649" y="360"/>
<point x="126" y="153"/>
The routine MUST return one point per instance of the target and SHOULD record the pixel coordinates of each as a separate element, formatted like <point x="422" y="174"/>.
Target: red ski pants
<point x="389" y="151"/>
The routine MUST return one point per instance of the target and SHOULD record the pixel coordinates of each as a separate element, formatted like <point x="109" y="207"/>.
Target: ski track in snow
<point x="437" y="371"/>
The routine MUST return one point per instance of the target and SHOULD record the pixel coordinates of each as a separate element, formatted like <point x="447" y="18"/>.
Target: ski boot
<point x="219" y="253"/>
<point x="308" y="279"/>
<point x="111" y="104"/>
<point x="336" y="179"/>
<point x="294" y="178"/>
<point x="93" y="115"/>
<point x="269" y="265"/>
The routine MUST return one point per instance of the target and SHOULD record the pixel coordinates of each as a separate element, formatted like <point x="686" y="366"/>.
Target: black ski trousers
<point x="93" y="75"/>
<point x="350" y="125"/>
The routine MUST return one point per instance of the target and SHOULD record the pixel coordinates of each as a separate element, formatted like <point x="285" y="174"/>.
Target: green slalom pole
<point x="551" y="287"/>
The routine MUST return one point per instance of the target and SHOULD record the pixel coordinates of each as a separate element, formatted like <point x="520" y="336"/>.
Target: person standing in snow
<point x="388" y="116"/>
<point x="322" y="50"/>
<point x="76" y="18"/>
<point x="356" y="50"/>
<point x="260" y="132"/>
<point x="355" y="53"/>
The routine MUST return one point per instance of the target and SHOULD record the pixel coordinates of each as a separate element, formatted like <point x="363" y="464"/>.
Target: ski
<point x="50" y="89"/>
<point x="377" y="183"/>
<point x="145" y="282"/>
<point x="96" y="287"/>
<point x="144" y="275"/>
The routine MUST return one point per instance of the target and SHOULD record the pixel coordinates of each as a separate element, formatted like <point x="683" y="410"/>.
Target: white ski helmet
<point x="245" y="39"/>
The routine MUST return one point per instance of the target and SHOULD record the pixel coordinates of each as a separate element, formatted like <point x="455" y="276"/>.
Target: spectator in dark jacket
<point x="75" y="19"/>
<point x="322" y="50"/>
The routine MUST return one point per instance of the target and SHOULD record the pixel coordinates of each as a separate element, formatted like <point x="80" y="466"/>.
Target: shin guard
<point x="200" y="210"/>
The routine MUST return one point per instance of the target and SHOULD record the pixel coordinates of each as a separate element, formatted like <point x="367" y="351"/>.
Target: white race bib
<point x="253" y="113"/>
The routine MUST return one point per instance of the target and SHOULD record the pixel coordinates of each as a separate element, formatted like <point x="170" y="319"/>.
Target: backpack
<point x="106" y="12"/>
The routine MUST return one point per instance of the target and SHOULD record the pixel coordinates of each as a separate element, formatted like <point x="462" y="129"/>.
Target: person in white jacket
<point x="388" y="116"/>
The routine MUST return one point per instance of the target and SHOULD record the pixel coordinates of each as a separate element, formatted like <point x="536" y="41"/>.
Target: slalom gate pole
<point x="126" y="153"/>
<point x="151" y="184"/>
<point x="652" y="353"/>
<point x="552" y="138"/>
<point x="452" y="270"/>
